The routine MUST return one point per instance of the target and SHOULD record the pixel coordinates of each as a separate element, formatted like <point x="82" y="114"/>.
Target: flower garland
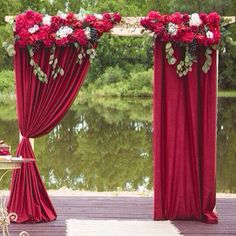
<point x="33" y="29"/>
<point x="188" y="31"/>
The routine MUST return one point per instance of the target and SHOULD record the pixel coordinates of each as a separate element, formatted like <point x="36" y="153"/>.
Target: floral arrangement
<point x="188" y="31"/>
<point x="33" y="29"/>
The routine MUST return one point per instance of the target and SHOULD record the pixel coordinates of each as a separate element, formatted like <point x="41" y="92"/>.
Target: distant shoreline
<point x="73" y="193"/>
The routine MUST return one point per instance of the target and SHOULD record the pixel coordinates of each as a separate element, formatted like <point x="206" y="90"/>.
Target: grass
<point x="227" y="94"/>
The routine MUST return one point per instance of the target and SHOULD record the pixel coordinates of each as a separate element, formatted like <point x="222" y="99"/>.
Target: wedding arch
<point x="52" y="57"/>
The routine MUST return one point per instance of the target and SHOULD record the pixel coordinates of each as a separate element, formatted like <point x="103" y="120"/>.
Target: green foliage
<point x="6" y="82"/>
<point x="135" y="84"/>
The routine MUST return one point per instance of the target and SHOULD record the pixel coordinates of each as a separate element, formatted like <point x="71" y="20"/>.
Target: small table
<point x="9" y="163"/>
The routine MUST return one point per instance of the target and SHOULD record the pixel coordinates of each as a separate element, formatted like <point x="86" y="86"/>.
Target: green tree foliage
<point x="129" y="54"/>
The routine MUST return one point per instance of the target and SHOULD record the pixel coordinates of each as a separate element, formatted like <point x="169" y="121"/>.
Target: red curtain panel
<point x="40" y="106"/>
<point x="184" y="139"/>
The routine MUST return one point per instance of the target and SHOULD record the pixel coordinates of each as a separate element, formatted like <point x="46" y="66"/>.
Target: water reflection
<point x="106" y="145"/>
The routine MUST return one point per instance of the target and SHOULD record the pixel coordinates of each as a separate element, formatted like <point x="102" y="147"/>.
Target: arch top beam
<point x="130" y="26"/>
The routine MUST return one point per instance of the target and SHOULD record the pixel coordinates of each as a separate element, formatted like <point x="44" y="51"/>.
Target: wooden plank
<point x="125" y="208"/>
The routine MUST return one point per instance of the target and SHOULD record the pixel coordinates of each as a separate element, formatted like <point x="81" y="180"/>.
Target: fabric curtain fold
<point x="184" y="139"/>
<point x="40" y="106"/>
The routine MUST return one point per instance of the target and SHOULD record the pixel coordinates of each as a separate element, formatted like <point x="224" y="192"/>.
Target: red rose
<point x="71" y="19"/>
<point x="159" y="28"/>
<point x="90" y="18"/>
<point x="77" y="24"/>
<point x="185" y="34"/>
<point x="100" y="26"/>
<point x="200" y="39"/>
<point x="80" y="36"/>
<point x="165" y="37"/>
<point x="165" y="19"/>
<point x="57" y="22"/>
<point x="117" y="17"/>
<point x="203" y="18"/>
<point x="146" y="23"/>
<point x="48" y="42"/>
<point x="154" y="15"/>
<point x="213" y="19"/>
<point x="61" y="42"/>
<point x="106" y="15"/>
<point x="176" y="18"/>
<point x="43" y="32"/>
<point x="185" y="18"/>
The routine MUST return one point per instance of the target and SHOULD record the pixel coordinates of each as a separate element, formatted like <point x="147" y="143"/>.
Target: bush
<point x="6" y="81"/>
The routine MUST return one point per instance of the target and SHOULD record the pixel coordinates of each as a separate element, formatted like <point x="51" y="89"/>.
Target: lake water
<point x="105" y="144"/>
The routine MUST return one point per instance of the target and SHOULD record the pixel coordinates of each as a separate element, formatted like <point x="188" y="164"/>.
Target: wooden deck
<point x="122" y="208"/>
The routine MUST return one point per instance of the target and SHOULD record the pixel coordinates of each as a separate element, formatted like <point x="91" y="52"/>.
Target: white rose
<point x="98" y="16"/>
<point x="64" y="31"/>
<point x="62" y="14"/>
<point x="47" y="20"/>
<point x="195" y="20"/>
<point x="80" y="16"/>
<point x="33" y="29"/>
<point x="172" y="29"/>
<point x="87" y="33"/>
<point x="209" y="35"/>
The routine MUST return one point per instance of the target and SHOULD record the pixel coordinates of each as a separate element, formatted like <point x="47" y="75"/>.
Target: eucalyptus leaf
<point x="32" y="62"/>
<point x="62" y="72"/>
<point x="168" y="45"/>
<point x="55" y="76"/>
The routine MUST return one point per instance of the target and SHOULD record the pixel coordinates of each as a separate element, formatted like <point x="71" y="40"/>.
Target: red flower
<point x="185" y="18"/>
<point x="100" y="26"/>
<point x="57" y="22"/>
<point x="200" y="39"/>
<point x="71" y="19"/>
<point x="185" y="35"/>
<point x="47" y="33"/>
<point x="80" y="36"/>
<point x="165" y="19"/>
<point x="159" y="28"/>
<point x="154" y="15"/>
<point x="107" y="16"/>
<point x="62" y="41"/>
<point x="204" y="18"/>
<point x="117" y="17"/>
<point x="90" y="18"/>
<point x="176" y="18"/>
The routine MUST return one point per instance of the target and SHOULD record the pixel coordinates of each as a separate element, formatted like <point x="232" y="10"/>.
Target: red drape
<point x="40" y="107"/>
<point x="184" y="139"/>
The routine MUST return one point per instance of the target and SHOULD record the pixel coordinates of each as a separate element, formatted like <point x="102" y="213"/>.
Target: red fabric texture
<point x="184" y="139"/>
<point x="40" y="107"/>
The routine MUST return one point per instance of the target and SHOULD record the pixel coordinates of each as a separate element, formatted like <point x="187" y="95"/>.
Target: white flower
<point x="209" y="34"/>
<point x="172" y="29"/>
<point x="64" y="31"/>
<point x="62" y="14"/>
<point x="47" y="20"/>
<point x="80" y="16"/>
<point x="87" y="33"/>
<point x="33" y="29"/>
<point x="98" y="16"/>
<point x="195" y="20"/>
